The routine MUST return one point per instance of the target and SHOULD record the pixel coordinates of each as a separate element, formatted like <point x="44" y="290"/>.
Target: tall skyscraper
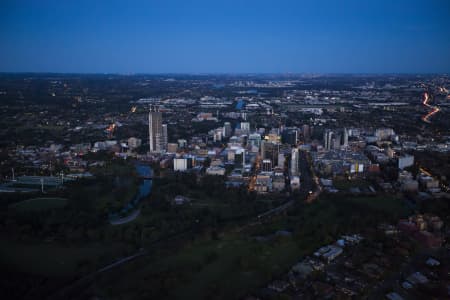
<point x="155" y="131"/>
<point x="294" y="162"/>
<point x="306" y="133"/>
<point x="289" y="136"/>
<point x="217" y="135"/>
<point x="336" y="142"/>
<point x="245" y="127"/>
<point x="270" y="151"/>
<point x="345" y="142"/>
<point x="164" y="137"/>
<point x="281" y="160"/>
<point x="227" y="130"/>
<point x="327" y="139"/>
<point x="254" y="139"/>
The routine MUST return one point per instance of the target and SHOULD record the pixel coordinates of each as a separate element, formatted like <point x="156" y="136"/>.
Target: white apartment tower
<point x="328" y="139"/>
<point x="345" y="142"/>
<point x="157" y="131"/>
<point x="227" y="130"/>
<point x="294" y="162"/>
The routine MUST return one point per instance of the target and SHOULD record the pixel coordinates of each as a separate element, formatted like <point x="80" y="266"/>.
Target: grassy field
<point x="53" y="260"/>
<point x="386" y="203"/>
<point x="379" y="203"/>
<point x="206" y="269"/>
<point x="39" y="204"/>
<point x="243" y="265"/>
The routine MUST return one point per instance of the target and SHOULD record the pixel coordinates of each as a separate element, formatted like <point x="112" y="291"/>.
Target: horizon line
<point x="225" y="73"/>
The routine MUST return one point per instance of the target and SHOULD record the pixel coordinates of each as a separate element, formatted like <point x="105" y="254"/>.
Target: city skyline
<point x="301" y="181"/>
<point x="229" y="149"/>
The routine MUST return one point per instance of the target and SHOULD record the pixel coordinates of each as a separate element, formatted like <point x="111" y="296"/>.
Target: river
<point x="131" y="210"/>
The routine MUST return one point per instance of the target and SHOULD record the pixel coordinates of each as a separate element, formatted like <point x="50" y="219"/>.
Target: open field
<point x="381" y="203"/>
<point x="206" y="268"/>
<point x="38" y="259"/>
<point x="39" y="204"/>
<point x="54" y="260"/>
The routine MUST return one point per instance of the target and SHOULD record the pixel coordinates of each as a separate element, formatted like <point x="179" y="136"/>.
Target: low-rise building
<point x="405" y="161"/>
<point x="134" y="143"/>
<point x="279" y="182"/>
<point x="263" y="183"/>
<point x="216" y="170"/>
<point x="295" y="182"/>
<point x="183" y="164"/>
<point x="328" y="253"/>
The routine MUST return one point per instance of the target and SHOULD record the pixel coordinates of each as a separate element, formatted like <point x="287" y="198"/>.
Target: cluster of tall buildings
<point x="226" y="131"/>
<point x="335" y="139"/>
<point x="272" y="152"/>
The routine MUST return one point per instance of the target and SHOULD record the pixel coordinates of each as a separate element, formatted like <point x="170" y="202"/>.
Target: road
<point x="61" y="294"/>
<point x="441" y="183"/>
<point x="121" y="261"/>
<point x="309" y="191"/>
<point x="83" y="281"/>
<point x="126" y="219"/>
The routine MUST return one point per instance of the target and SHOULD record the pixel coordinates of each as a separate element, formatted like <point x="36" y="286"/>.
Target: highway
<point x="441" y="183"/>
<point x="121" y="261"/>
<point x="126" y="219"/>
<point x="79" y="283"/>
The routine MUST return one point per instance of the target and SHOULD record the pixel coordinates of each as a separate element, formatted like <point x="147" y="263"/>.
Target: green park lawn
<point x="53" y="260"/>
<point x="382" y="203"/>
<point x="39" y="204"/>
<point x="205" y="269"/>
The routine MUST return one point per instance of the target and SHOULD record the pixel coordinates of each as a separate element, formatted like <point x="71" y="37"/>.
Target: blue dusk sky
<point x="245" y="36"/>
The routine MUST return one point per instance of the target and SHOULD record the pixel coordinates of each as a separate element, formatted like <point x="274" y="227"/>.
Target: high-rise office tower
<point x="227" y="130"/>
<point x="269" y="151"/>
<point x="294" y="162"/>
<point x="254" y="139"/>
<point x="289" y="136"/>
<point x="336" y="142"/>
<point x="306" y="133"/>
<point x="245" y="127"/>
<point x="327" y="139"/>
<point x="217" y="136"/>
<point x="155" y="131"/>
<point x="281" y="160"/>
<point x="164" y="137"/>
<point x="345" y="141"/>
